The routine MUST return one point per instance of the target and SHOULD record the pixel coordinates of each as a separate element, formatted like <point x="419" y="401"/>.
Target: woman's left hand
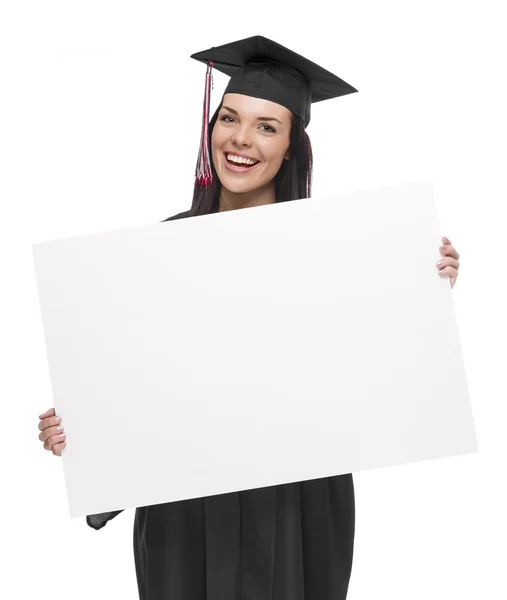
<point x="449" y="264"/>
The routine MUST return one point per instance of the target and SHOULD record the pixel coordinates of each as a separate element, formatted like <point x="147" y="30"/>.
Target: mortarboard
<point x="262" y="68"/>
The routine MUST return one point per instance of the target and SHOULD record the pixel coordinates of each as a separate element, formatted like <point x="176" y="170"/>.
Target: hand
<point x="52" y="432"/>
<point x="449" y="265"/>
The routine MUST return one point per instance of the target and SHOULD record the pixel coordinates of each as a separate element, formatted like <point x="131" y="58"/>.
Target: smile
<point x="239" y="164"/>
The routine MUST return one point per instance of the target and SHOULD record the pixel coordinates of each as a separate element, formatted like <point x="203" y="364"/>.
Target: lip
<point x="242" y="155"/>
<point x="238" y="170"/>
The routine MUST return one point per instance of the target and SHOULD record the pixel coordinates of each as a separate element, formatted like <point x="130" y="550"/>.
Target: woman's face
<point x="249" y="142"/>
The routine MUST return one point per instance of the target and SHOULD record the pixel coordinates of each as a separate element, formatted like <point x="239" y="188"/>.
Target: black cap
<point x="262" y="68"/>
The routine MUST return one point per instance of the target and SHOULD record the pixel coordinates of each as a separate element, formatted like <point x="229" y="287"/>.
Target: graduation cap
<point x="262" y="68"/>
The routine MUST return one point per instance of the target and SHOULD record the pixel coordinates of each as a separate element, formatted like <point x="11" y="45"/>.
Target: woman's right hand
<point x="52" y="432"/>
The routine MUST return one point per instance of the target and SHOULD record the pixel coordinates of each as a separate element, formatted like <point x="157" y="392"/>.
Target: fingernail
<point x="58" y="419"/>
<point x="62" y="435"/>
<point x="440" y="262"/>
<point x="59" y="429"/>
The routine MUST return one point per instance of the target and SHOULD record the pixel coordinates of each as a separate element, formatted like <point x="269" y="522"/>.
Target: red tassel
<point x="203" y="174"/>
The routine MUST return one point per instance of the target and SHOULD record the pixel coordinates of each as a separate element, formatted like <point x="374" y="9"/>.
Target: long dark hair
<point x="292" y="182"/>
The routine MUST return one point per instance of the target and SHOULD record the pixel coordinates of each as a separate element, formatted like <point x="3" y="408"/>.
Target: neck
<point x="232" y="201"/>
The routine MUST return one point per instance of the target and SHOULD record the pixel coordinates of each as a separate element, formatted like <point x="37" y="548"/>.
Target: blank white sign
<point x="252" y="348"/>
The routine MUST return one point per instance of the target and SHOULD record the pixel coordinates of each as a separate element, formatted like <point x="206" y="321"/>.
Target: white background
<point x="100" y="122"/>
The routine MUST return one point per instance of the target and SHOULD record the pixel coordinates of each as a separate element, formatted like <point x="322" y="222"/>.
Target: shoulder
<point x="181" y="215"/>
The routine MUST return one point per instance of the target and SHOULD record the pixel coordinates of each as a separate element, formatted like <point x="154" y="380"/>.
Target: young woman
<point x="286" y="542"/>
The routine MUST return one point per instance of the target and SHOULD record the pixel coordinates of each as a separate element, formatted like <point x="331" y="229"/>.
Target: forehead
<point x="256" y="107"/>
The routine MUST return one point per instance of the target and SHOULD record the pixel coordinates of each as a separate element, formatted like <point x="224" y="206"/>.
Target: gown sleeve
<point x="101" y="519"/>
<point x="182" y="215"/>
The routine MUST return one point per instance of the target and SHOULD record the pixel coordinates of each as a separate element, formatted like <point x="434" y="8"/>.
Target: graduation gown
<point x="285" y="542"/>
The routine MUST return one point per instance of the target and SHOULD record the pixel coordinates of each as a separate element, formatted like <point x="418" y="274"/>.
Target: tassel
<point x="203" y="174"/>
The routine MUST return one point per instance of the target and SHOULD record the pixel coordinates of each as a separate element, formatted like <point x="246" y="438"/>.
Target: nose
<point x="242" y="137"/>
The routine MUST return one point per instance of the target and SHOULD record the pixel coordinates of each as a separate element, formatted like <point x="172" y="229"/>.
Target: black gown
<point x="286" y="542"/>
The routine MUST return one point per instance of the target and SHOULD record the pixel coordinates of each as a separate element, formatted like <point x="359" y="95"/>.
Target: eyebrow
<point x="235" y="112"/>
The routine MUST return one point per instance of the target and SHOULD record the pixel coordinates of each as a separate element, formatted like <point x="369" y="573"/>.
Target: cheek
<point x="215" y="148"/>
<point x="274" y="155"/>
<point x="214" y="140"/>
<point x="217" y="136"/>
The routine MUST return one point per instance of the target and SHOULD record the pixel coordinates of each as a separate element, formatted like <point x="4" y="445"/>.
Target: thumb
<point x="48" y="413"/>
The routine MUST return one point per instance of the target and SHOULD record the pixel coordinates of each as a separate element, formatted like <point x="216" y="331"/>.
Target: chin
<point x="236" y="186"/>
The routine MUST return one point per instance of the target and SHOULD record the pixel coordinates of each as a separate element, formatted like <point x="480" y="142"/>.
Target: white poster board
<point x="252" y="348"/>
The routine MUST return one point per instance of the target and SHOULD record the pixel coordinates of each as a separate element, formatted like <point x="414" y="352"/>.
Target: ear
<point x="287" y="155"/>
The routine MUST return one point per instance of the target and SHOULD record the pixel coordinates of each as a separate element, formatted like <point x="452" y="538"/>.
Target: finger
<point x="48" y="413"/>
<point x="450" y="271"/>
<point x="446" y="240"/>
<point x="448" y="261"/>
<point x="50" y="443"/>
<point x="51" y="422"/>
<point x="53" y="440"/>
<point x="449" y="251"/>
<point x="57" y="449"/>
<point x="50" y="431"/>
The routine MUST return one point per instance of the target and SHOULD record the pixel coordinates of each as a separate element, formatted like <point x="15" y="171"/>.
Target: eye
<point x="226" y="117"/>
<point x="268" y="129"/>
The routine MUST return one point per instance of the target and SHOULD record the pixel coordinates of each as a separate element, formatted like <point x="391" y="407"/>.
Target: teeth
<point x="240" y="160"/>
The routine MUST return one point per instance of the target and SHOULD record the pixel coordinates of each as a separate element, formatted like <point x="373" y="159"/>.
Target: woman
<point x="286" y="542"/>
